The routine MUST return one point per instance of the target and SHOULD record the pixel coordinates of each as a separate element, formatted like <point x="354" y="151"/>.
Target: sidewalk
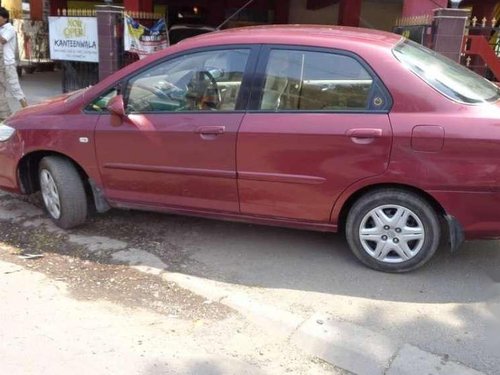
<point x="38" y="87"/>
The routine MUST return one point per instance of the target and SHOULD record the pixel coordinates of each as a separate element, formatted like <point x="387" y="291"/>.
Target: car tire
<point x="62" y="191"/>
<point x="393" y="230"/>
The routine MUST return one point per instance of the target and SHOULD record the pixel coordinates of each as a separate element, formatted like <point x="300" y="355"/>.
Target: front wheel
<point x="63" y="192"/>
<point x="393" y="230"/>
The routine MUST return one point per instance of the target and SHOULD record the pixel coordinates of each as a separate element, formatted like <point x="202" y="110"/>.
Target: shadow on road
<point x="270" y="257"/>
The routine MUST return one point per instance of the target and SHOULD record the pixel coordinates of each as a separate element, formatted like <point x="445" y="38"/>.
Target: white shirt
<point x="8" y="32"/>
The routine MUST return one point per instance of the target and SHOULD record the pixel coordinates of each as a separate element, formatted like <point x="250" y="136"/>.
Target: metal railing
<point x="481" y="47"/>
<point x="417" y="29"/>
<point x="77" y="75"/>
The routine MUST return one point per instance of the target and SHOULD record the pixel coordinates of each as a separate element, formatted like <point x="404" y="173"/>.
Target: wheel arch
<point x="27" y="171"/>
<point x="349" y="202"/>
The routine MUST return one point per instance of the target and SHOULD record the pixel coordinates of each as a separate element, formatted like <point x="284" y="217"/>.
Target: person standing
<point x="8" y="38"/>
<point x="4" y="104"/>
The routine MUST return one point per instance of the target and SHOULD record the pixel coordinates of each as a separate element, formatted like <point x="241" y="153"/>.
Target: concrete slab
<point x="97" y="243"/>
<point x="140" y="260"/>
<point x="275" y="321"/>
<point x="348" y="346"/>
<point x="413" y="361"/>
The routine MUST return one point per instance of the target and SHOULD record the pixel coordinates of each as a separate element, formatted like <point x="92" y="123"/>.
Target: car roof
<point x="191" y="27"/>
<point x="299" y="34"/>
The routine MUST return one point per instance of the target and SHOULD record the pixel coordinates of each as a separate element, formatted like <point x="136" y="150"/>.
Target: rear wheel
<point x="63" y="192"/>
<point x="393" y="230"/>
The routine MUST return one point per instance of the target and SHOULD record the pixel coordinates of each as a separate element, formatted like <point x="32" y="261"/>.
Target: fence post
<point x="110" y="31"/>
<point x="448" y="31"/>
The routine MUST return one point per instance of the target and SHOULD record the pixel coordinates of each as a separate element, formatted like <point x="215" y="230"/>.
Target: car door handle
<point x="364" y="133"/>
<point x="211" y="130"/>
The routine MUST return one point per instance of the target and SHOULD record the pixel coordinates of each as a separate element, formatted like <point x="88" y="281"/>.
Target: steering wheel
<point x="204" y="95"/>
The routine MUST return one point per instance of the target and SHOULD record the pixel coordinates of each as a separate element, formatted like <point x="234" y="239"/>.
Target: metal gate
<point x="78" y="75"/>
<point x="481" y="48"/>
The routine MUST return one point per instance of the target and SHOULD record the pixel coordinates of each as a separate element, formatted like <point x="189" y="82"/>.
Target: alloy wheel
<point x="391" y="233"/>
<point x="50" y="194"/>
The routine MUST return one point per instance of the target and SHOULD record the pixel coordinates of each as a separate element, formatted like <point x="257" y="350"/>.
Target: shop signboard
<point x="73" y="39"/>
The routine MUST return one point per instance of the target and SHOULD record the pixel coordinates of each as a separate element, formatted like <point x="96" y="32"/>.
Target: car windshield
<point x="445" y="75"/>
<point x="76" y="94"/>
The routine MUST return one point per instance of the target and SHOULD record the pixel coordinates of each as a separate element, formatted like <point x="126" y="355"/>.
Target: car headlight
<point x="6" y="132"/>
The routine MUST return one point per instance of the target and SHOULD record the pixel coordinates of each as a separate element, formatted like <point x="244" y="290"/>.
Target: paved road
<point x="38" y="87"/>
<point x="452" y="306"/>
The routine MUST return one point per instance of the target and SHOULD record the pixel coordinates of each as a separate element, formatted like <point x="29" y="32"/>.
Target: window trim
<point x="260" y="74"/>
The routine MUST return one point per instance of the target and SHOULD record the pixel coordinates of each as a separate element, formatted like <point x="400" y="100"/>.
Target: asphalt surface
<point x="450" y="307"/>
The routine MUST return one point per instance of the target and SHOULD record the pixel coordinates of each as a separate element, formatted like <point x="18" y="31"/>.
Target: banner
<point x="144" y="41"/>
<point x="73" y="39"/>
<point x="32" y="41"/>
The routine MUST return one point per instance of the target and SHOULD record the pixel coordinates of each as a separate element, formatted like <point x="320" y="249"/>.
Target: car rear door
<point x="319" y="122"/>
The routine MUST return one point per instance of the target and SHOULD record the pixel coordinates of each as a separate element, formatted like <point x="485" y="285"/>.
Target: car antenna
<point x="233" y="15"/>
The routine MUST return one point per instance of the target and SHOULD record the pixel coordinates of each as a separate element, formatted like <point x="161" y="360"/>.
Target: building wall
<point x="379" y="15"/>
<point x="13" y="6"/>
<point x="422" y="7"/>
<point x="482" y="8"/>
<point x="299" y="14"/>
<point x="375" y="14"/>
<point x="80" y="4"/>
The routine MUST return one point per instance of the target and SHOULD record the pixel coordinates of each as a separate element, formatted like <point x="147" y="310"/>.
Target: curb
<point x="346" y="345"/>
<point x="280" y="322"/>
<point x="414" y="361"/>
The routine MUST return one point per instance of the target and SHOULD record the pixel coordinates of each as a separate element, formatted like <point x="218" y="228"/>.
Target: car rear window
<point x="315" y="81"/>
<point x="448" y="77"/>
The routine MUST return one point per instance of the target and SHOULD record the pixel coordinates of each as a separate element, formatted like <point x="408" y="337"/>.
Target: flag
<point x="144" y="41"/>
<point x="133" y="33"/>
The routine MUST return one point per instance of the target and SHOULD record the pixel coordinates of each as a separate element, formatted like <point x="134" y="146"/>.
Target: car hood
<point x="49" y="106"/>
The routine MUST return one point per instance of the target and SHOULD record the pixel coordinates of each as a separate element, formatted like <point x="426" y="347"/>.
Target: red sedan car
<point x="312" y="127"/>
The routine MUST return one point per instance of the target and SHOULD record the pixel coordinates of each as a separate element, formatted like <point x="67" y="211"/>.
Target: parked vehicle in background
<point x="321" y="128"/>
<point x="176" y="33"/>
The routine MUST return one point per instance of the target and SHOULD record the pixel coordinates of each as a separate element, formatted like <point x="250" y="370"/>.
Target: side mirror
<point x="116" y="106"/>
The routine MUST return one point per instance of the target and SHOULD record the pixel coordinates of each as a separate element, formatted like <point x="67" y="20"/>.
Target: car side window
<point x="100" y="103"/>
<point x="201" y="81"/>
<point x="315" y="81"/>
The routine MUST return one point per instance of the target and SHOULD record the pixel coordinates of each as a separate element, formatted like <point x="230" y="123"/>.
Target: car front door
<point x="319" y="123"/>
<point x="176" y="145"/>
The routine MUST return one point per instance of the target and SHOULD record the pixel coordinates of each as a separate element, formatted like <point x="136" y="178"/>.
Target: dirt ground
<point x="90" y="276"/>
<point x="82" y="261"/>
